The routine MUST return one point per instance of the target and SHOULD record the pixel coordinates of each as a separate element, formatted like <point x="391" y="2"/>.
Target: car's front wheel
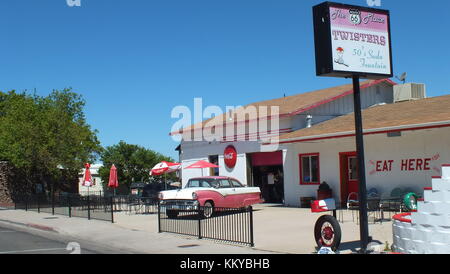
<point x="208" y="209"/>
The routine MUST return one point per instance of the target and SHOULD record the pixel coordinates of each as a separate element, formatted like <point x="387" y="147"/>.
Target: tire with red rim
<point x="327" y="232"/>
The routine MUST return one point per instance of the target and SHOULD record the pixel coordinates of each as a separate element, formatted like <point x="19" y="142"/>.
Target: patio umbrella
<point x="87" y="178"/>
<point x="164" y="168"/>
<point x="113" y="182"/>
<point x="201" y="164"/>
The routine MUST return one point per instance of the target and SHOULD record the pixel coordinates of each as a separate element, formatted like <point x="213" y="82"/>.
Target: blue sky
<point x="134" y="60"/>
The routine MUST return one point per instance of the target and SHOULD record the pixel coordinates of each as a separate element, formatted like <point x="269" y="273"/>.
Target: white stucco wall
<point x="196" y="151"/>
<point x="411" y="145"/>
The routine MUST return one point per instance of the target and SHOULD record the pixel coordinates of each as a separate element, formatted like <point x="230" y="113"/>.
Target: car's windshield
<point x="201" y="183"/>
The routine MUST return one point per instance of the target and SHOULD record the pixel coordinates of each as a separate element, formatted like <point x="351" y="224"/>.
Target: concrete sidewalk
<point x="131" y="234"/>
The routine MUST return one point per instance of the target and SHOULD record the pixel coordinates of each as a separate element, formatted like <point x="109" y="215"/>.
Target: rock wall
<point x="5" y="182"/>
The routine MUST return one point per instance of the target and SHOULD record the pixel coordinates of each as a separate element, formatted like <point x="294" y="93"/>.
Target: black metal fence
<point x="139" y="205"/>
<point x="72" y="205"/>
<point x="226" y="224"/>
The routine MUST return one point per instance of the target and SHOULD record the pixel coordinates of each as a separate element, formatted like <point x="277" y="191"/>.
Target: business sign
<point x="352" y="40"/>
<point x="406" y="165"/>
<point x="230" y="156"/>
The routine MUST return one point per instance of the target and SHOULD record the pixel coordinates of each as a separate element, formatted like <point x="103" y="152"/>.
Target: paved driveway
<point x="282" y="229"/>
<point x="290" y="230"/>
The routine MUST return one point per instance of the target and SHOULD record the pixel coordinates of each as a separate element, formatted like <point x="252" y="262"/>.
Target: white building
<point x="406" y="144"/>
<point x="256" y="162"/>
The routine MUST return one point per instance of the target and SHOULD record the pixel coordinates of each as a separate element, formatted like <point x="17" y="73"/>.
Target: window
<point x="352" y="168"/>
<point x="201" y="183"/>
<point x="225" y="184"/>
<point x="194" y="183"/>
<point x="209" y="183"/>
<point x="309" y="169"/>
<point x="236" y="183"/>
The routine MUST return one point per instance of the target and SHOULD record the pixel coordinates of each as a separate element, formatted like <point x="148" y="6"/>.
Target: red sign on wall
<point x="230" y="157"/>
<point x="413" y="164"/>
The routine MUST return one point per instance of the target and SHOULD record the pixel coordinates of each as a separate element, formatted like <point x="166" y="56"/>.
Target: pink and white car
<point x="207" y="194"/>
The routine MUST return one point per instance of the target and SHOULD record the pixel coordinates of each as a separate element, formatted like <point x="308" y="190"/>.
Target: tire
<point x="172" y="214"/>
<point x="327" y="232"/>
<point x="208" y="209"/>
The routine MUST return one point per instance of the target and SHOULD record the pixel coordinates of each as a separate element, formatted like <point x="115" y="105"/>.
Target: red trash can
<point x="324" y="192"/>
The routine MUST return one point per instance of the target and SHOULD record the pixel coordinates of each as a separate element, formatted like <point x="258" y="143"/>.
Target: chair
<point x="394" y="202"/>
<point x="373" y="203"/>
<point x="134" y="204"/>
<point x="353" y="203"/>
<point x="408" y="190"/>
<point x="374" y="208"/>
<point x="397" y="193"/>
<point x="405" y="192"/>
<point x="373" y="193"/>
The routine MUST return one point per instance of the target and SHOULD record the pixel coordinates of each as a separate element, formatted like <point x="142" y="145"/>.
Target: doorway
<point x="348" y="163"/>
<point x="214" y="159"/>
<point x="267" y="174"/>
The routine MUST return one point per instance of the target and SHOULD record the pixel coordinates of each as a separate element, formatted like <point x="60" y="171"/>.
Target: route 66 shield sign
<point x="355" y="17"/>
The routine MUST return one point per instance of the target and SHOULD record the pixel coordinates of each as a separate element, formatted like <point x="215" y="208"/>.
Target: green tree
<point x="133" y="163"/>
<point x="46" y="138"/>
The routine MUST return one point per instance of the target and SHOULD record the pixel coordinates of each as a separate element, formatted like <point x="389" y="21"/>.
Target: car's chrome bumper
<point x="180" y="205"/>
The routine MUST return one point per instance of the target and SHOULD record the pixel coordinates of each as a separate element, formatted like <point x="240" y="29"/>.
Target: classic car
<point x="206" y="194"/>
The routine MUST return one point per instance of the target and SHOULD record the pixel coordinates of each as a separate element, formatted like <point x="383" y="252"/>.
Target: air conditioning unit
<point x="409" y="92"/>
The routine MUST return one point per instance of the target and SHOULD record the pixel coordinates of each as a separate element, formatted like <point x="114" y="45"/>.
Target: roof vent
<point x="309" y="121"/>
<point x="409" y="92"/>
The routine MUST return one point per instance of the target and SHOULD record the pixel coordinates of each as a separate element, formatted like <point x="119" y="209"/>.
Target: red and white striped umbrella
<point x="87" y="178"/>
<point x="164" y="167"/>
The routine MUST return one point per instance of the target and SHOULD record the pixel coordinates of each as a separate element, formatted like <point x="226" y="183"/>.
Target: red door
<point x="349" y="175"/>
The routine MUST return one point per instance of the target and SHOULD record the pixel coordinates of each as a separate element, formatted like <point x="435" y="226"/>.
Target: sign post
<point x="354" y="42"/>
<point x="364" y="222"/>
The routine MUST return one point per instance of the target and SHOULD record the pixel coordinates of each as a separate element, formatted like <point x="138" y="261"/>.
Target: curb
<point x="42" y="227"/>
<point x="31" y="225"/>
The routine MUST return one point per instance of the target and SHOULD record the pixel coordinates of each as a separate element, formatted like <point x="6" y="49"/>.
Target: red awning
<point x="267" y="158"/>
